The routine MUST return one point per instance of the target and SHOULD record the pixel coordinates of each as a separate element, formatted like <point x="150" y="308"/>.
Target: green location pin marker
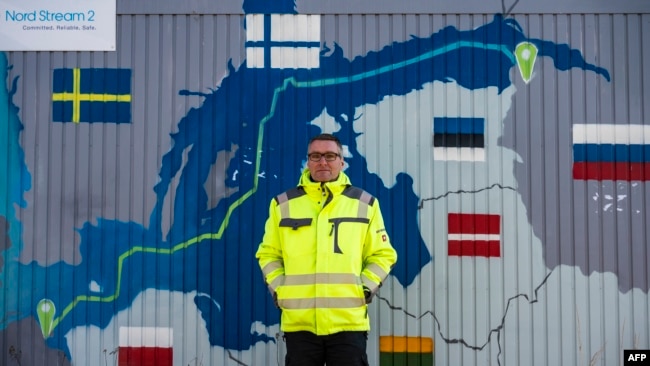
<point x="526" y="53"/>
<point x="46" y="310"/>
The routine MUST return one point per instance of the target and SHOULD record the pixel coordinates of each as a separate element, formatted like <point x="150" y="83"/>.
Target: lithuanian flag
<point x="405" y="351"/>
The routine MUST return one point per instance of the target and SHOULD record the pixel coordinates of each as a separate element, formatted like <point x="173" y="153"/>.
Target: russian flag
<point x="145" y="346"/>
<point x="611" y="152"/>
<point x="403" y="351"/>
<point x="459" y="138"/>
<point x="473" y="235"/>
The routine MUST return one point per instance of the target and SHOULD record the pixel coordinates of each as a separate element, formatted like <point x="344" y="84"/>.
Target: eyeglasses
<point x="330" y="156"/>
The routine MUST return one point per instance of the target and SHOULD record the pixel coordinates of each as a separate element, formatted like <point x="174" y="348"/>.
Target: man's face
<point x="324" y="170"/>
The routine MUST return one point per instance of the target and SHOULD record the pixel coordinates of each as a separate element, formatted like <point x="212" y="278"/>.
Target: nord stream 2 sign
<point x="57" y="25"/>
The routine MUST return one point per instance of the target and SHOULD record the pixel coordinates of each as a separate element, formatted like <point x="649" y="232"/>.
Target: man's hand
<point x="367" y="294"/>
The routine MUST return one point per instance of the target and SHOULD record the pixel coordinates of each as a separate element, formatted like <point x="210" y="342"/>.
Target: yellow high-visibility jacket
<point x="323" y="243"/>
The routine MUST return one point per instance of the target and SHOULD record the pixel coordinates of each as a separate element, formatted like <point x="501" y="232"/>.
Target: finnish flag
<point x="282" y="41"/>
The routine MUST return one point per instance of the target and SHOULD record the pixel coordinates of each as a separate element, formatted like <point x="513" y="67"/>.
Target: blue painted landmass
<point x="15" y="180"/>
<point x="265" y="113"/>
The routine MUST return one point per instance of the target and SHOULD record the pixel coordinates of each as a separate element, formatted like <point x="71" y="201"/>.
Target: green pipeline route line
<point x="291" y="81"/>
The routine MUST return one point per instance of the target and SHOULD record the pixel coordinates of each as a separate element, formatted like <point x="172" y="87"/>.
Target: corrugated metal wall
<point x="521" y="240"/>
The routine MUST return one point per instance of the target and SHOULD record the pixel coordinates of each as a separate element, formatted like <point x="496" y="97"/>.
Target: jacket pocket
<point x="295" y="223"/>
<point x="350" y="235"/>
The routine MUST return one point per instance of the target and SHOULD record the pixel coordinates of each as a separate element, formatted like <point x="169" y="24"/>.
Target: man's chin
<point x="322" y="177"/>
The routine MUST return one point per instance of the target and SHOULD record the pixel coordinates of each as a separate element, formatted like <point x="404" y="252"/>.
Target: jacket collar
<point x="336" y="187"/>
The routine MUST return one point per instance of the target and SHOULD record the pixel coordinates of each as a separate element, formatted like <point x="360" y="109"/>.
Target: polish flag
<point x="145" y="346"/>
<point x="474" y="235"/>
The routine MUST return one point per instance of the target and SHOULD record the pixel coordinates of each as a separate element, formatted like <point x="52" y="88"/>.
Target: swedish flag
<point x="91" y="95"/>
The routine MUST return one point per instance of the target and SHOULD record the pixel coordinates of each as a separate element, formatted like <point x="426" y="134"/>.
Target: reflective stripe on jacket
<point x="323" y="243"/>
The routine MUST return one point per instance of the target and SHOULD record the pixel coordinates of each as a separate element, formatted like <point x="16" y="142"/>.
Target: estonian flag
<point x="474" y="235"/>
<point x="611" y="152"/>
<point x="459" y="138"/>
<point x="91" y="95"/>
<point x="283" y="41"/>
<point x="145" y="346"/>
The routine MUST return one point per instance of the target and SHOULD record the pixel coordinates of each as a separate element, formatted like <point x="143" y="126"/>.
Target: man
<point x="324" y="255"/>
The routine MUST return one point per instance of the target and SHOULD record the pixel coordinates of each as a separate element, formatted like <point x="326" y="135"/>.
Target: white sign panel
<point x="57" y="25"/>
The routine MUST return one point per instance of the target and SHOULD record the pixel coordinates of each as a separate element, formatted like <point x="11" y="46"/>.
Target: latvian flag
<point x="145" y="346"/>
<point x="611" y="152"/>
<point x="283" y="41"/>
<point x="459" y="138"/>
<point x="403" y="351"/>
<point x="474" y="235"/>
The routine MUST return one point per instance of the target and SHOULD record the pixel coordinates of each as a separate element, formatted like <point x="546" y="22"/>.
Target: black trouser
<point x="339" y="349"/>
